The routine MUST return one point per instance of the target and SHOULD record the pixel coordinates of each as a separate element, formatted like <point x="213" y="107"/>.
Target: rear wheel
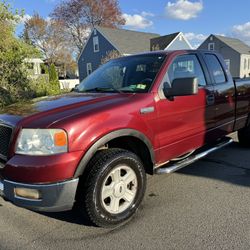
<point x="114" y="188"/>
<point x="244" y="136"/>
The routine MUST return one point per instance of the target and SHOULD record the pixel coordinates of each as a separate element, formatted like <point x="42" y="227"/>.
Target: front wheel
<point x="114" y="188"/>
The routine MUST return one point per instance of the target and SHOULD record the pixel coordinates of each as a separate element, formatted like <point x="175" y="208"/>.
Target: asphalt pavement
<point x="203" y="206"/>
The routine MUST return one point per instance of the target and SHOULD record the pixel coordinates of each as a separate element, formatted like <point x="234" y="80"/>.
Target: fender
<point x="105" y="139"/>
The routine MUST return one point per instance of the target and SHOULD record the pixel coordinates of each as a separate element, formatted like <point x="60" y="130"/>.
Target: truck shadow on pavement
<point x="74" y="216"/>
<point x="230" y="164"/>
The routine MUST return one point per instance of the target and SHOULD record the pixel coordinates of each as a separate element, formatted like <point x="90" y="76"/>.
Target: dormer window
<point x="96" y="43"/>
<point x="211" y="46"/>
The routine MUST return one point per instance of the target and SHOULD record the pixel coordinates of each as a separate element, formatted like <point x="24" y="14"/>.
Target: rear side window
<point x="215" y="68"/>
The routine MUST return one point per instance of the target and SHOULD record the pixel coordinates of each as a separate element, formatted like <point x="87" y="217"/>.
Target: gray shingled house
<point x="126" y="42"/>
<point x="103" y="40"/>
<point x="173" y="41"/>
<point x="235" y="52"/>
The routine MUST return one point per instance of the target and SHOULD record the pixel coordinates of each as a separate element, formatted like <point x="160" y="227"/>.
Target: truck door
<point x="185" y="120"/>
<point x="224" y="95"/>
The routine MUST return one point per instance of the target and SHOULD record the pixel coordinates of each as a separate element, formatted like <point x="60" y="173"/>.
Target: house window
<point x="245" y="64"/>
<point x="89" y="68"/>
<point x="141" y="68"/>
<point x="180" y="38"/>
<point x="96" y="43"/>
<point x="211" y="46"/>
<point x="227" y="62"/>
<point x="248" y="63"/>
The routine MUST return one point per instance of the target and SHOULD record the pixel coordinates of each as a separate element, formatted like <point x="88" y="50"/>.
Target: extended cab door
<point x="183" y="122"/>
<point x="224" y="95"/>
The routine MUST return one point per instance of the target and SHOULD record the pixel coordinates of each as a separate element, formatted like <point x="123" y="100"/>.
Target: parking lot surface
<point x="204" y="206"/>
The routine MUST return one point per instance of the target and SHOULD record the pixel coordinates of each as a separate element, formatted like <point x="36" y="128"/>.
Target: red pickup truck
<point x="149" y="113"/>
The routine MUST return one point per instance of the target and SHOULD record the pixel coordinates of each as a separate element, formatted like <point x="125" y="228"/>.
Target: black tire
<point x="102" y="168"/>
<point x="244" y="136"/>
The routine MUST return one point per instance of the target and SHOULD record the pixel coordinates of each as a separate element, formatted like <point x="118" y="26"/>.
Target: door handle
<point x="210" y="99"/>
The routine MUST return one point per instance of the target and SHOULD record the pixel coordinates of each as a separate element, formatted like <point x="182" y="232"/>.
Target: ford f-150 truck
<point x="150" y="113"/>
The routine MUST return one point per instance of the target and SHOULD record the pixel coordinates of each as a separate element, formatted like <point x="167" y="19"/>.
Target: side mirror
<point x="181" y="87"/>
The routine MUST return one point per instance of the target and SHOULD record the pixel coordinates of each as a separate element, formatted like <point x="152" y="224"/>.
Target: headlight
<point x="42" y="142"/>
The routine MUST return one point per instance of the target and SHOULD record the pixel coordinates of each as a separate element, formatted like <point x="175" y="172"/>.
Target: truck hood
<point x="57" y="104"/>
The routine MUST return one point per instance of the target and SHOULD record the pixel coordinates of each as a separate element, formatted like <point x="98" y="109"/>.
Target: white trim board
<point x="184" y="38"/>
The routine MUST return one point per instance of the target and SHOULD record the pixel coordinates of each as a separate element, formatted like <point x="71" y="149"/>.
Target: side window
<point x="186" y="66"/>
<point x="89" y="68"/>
<point x="215" y="68"/>
<point x="96" y="43"/>
<point x="211" y="46"/>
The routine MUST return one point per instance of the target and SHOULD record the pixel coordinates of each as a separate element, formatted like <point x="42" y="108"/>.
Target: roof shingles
<point x="235" y="44"/>
<point x="128" y="41"/>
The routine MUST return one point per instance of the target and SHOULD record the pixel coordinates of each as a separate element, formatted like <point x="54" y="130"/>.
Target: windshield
<point x="134" y="74"/>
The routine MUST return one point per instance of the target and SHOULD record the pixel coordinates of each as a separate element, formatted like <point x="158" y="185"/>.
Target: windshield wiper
<point x="101" y="89"/>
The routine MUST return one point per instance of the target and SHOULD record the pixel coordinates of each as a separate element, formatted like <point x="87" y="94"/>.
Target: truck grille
<point x="5" y="136"/>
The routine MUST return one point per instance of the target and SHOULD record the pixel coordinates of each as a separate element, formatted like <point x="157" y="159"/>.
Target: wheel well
<point x="136" y="146"/>
<point x="130" y="143"/>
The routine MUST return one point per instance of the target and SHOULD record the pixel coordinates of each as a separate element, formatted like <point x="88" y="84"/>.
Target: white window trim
<point x="227" y="62"/>
<point x="245" y="64"/>
<point x="96" y="42"/>
<point x="209" y="46"/>
<point x="183" y="39"/>
<point x="89" y="68"/>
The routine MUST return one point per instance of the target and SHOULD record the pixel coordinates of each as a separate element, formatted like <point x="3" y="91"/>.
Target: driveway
<point x="204" y="206"/>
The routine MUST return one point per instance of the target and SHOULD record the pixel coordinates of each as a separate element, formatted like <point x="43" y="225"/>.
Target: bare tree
<point x="110" y="55"/>
<point x="48" y="36"/>
<point x="80" y="16"/>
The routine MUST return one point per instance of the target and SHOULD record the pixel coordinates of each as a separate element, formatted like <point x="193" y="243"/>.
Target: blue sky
<point x="195" y="18"/>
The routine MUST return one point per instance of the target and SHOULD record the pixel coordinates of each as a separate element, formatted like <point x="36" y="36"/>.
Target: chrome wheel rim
<point x="119" y="189"/>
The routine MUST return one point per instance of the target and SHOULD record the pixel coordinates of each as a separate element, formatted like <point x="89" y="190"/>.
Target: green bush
<point x="14" y="82"/>
<point x="53" y="76"/>
<point x="15" y="85"/>
<point x="5" y="97"/>
<point x="53" y="80"/>
<point x="41" y="86"/>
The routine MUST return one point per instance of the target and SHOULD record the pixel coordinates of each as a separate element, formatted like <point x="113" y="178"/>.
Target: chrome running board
<point x="191" y="159"/>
